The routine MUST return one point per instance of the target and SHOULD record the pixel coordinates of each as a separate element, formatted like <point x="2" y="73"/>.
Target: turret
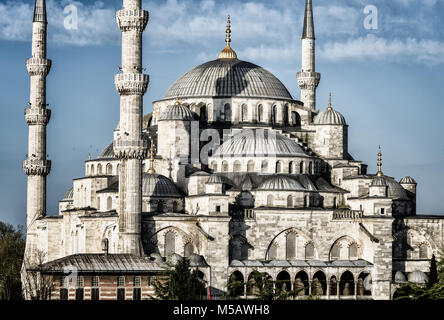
<point x="36" y="166"/>
<point x="308" y="78"/>
<point x="129" y="146"/>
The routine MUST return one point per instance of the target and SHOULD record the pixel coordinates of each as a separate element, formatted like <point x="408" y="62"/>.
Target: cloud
<point x="261" y="30"/>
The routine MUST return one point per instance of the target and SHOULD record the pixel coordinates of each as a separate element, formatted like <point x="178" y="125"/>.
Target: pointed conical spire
<point x="228" y="52"/>
<point x="40" y="11"/>
<point x="380" y="174"/>
<point x="308" y="32"/>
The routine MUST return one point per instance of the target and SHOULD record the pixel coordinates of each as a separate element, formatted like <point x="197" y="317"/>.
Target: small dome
<point x="215" y="179"/>
<point x="197" y="261"/>
<point x="259" y="142"/>
<point x="417" y="277"/>
<point x="176" y="112"/>
<point x="407" y="180"/>
<point x="69" y="195"/>
<point x="174" y="258"/>
<point x="108" y="153"/>
<point x="156" y="185"/>
<point x="400" y="277"/>
<point x="330" y="117"/>
<point x="281" y="183"/>
<point x="378" y="182"/>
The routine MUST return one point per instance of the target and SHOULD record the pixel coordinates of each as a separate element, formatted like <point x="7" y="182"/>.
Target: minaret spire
<point x="130" y="148"/>
<point x="330" y="107"/>
<point x="308" y="78"/>
<point x="40" y="11"/>
<point x="152" y="170"/>
<point x="36" y="166"/>
<point x="380" y="174"/>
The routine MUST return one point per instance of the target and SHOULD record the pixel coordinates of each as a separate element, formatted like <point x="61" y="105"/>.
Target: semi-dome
<point x="417" y="277"/>
<point x="228" y="78"/>
<point x="258" y="142"/>
<point x="176" y="112"/>
<point x="330" y="117"/>
<point x="378" y="182"/>
<point x="280" y="183"/>
<point x="215" y="179"/>
<point x="407" y="180"/>
<point x="156" y="185"/>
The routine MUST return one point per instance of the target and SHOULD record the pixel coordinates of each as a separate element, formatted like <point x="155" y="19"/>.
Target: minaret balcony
<point x="128" y="84"/>
<point x="35" y="167"/>
<point x="129" y="20"/>
<point x="130" y="149"/>
<point x="38" y="66"/>
<point x="308" y="80"/>
<point x="37" y="116"/>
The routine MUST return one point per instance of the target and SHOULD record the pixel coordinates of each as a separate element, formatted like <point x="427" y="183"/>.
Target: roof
<point x="40" y="11"/>
<point x="301" y="263"/>
<point x="228" y="78"/>
<point x="101" y="263"/>
<point x="156" y="185"/>
<point x="259" y="142"/>
<point x="281" y="183"/>
<point x="69" y="196"/>
<point x="407" y="180"/>
<point x="308" y="32"/>
<point x="330" y="117"/>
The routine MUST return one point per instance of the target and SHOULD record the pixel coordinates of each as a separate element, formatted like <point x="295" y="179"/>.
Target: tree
<point x="179" y="283"/>
<point x="36" y="286"/>
<point x="433" y="275"/>
<point x="12" y="248"/>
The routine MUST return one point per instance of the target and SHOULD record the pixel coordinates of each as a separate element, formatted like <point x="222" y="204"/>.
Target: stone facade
<point x="278" y="191"/>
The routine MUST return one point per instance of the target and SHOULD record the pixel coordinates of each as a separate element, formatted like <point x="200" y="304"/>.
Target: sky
<point x="386" y="77"/>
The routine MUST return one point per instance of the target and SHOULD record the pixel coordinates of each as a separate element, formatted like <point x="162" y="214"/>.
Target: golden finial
<point x="329" y="103"/>
<point x="380" y="174"/>
<point x="152" y="170"/>
<point x="177" y="100"/>
<point x="228" y="52"/>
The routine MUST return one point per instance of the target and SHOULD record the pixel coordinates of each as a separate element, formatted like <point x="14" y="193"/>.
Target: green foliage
<point x="179" y="283"/>
<point x="12" y="248"/>
<point x="433" y="274"/>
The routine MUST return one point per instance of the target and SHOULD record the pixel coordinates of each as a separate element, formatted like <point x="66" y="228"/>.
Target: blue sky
<point x="387" y="82"/>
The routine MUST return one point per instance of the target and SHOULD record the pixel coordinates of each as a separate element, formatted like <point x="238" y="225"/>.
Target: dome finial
<point x="329" y="102"/>
<point x="152" y="170"/>
<point x="177" y="100"/>
<point x="228" y="52"/>
<point x="380" y="174"/>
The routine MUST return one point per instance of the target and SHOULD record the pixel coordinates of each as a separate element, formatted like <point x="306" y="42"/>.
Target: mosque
<point x="230" y="171"/>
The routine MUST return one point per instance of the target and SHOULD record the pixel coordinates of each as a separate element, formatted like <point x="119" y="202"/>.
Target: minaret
<point x="36" y="166"/>
<point x="308" y="78"/>
<point x="130" y="147"/>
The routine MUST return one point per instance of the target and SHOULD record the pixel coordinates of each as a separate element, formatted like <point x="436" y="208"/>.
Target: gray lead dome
<point x="331" y="117"/>
<point x="176" y="112"/>
<point x="228" y="78"/>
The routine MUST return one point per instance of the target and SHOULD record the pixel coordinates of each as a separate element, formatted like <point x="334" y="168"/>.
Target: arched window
<point x="291" y="167"/>
<point x="244" y="111"/>
<point x="237" y="166"/>
<point x="203" y="114"/>
<point x="227" y="112"/>
<point x="118" y="169"/>
<point x="274" y="115"/>
<point x="290" y="246"/>
<point x="306" y="201"/>
<point x="335" y="252"/>
<point x="213" y="166"/>
<point x="264" y="167"/>
<point x="279" y="167"/>
<point x="99" y="170"/>
<point x="92" y="170"/>
<point x="260" y="113"/>
<point x="335" y="202"/>
<point x="109" y="203"/>
<point x="286" y="110"/>
<point x="290" y="202"/>
<point x="295" y="119"/>
<point x="98" y="203"/>
<point x="423" y="251"/>
<point x="270" y="201"/>
<point x="310" y="168"/>
<point x="309" y="251"/>
<point x="170" y="243"/>
<point x="175" y="206"/>
<point x="250" y="166"/>
<point x="188" y="249"/>
<point x="272" y="252"/>
<point x="301" y="168"/>
<point x="109" y="169"/>
<point x="225" y="166"/>
<point x="353" y="251"/>
<point x="160" y="208"/>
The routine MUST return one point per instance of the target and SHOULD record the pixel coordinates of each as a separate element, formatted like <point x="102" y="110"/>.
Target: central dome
<point x="228" y="78"/>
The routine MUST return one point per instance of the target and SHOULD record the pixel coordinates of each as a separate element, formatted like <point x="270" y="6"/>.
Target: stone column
<point x="129" y="146"/>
